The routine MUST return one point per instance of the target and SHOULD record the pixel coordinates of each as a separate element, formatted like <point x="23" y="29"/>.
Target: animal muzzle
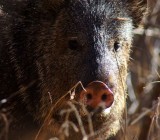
<point x="97" y="94"/>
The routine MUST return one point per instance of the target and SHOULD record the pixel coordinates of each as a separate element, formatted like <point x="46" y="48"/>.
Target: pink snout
<point x="97" y="94"/>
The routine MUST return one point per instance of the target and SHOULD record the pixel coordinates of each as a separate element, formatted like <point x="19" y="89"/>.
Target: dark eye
<point x="116" y="46"/>
<point x="73" y="44"/>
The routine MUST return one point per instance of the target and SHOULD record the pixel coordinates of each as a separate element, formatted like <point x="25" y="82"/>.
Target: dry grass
<point x="143" y="119"/>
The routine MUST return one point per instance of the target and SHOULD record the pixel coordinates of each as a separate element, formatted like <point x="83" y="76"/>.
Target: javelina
<point x="47" y="46"/>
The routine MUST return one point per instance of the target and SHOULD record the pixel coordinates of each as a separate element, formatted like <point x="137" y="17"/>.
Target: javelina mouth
<point x="94" y="103"/>
<point x="76" y="118"/>
<point x="82" y="111"/>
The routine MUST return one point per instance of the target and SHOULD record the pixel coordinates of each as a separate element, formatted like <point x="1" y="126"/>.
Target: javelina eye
<point x="73" y="44"/>
<point x="116" y="46"/>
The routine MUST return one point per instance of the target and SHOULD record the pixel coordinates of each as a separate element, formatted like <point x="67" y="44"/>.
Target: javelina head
<point x="86" y="41"/>
<point x="79" y="40"/>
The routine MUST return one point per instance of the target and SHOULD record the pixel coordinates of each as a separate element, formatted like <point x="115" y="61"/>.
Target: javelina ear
<point x="138" y="9"/>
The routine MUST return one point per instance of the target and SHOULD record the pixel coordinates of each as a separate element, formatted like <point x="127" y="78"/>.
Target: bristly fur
<point x="36" y="59"/>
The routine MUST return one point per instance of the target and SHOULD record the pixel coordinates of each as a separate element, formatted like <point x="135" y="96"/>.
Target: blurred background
<point x="142" y="115"/>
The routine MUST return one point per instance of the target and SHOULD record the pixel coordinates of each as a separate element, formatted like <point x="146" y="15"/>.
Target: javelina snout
<point x="97" y="94"/>
<point x="56" y="43"/>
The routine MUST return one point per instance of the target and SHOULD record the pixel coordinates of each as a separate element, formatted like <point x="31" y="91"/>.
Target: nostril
<point x="89" y="96"/>
<point x="116" y="46"/>
<point x="104" y="97"/>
